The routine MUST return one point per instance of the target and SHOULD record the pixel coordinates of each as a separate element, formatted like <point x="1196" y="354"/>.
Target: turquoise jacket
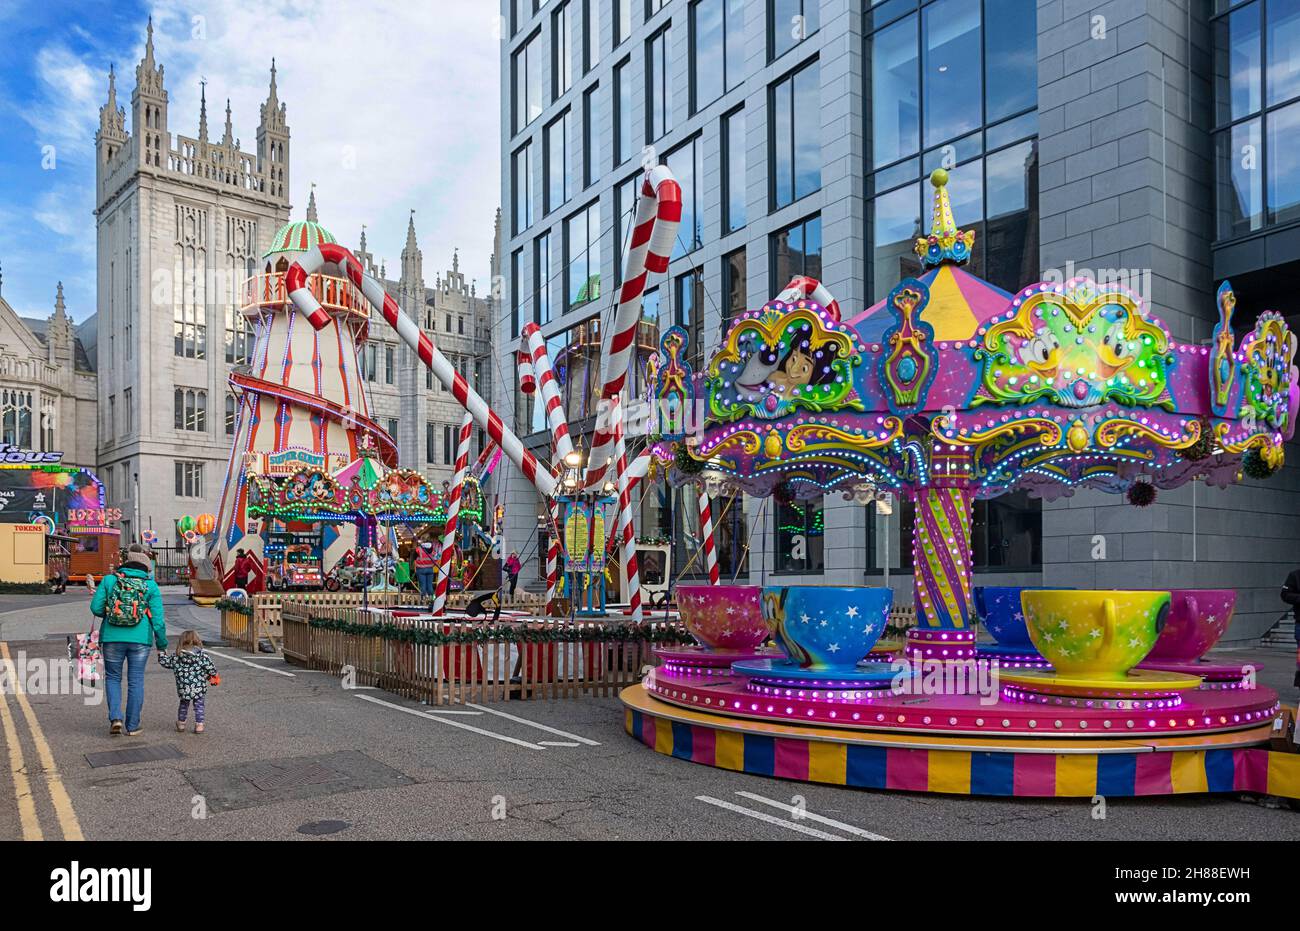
<point x="152" y="629"/>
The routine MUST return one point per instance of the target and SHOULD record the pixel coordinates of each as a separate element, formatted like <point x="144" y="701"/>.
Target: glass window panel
<point x="528" y="81"/>
<point x="1010" y="57"/>
<point x="1012" y="130"/>
<point x="1237" y="66"/>
<point x="1240" y="180"/>
<point x="950" y="67"/>
<point x="896" y="225"/>
<point x="622" y="113"/>
<point x="898" y="174"/>
<point x="622" y="20"/>
<point x="782" y="147"/>
<point x="591" y="33"/>
<point x="807" y="138"/>
<point x="1010" y="234"/>
<point x="966" y="189"/>
<point x="895" y="107"/>
<point x="734" y="273"/>
<point x="541" y="279"/>
<point x="735" y="40"/>
<point x="1284" y="164"/>
<point x="708" y="52"/>
<point x="625" y="197"/>
<point x="659" y="89"/>
<point x="792" y="22"/>
<point x="800" y="537"/>
<point x="733" y="154"/>
<point x="1283" y="37"/>
<point x="594" y="134"/>
<point x="556" y="141"/>
<point x="686" y="164"/>
<point x="561" y="50"/>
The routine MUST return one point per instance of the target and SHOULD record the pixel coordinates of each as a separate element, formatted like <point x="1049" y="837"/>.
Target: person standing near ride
<point x="131" y="605"/>
<point x="1291" y="595"/>
<point x="513" y="565"/>
<point x="241" y="569"/>
<point x="424" y="566"/>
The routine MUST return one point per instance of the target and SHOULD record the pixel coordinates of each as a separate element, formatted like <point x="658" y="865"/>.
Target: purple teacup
<point x="1197" y="619"/>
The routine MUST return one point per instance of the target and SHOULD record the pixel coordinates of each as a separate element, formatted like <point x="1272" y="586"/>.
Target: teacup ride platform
<point x="951" y="391"/>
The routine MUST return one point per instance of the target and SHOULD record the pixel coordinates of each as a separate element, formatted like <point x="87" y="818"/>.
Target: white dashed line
<point x="450" y="723"/>
<point x="770" y="819"/>
<point x="541" y="727"/>
<point x="801" y="814"/>
<point x="236" y="659"/>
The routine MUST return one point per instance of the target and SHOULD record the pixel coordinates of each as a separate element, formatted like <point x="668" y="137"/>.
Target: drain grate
<point x="134" y="755"/>
<point x="273" y="777"/>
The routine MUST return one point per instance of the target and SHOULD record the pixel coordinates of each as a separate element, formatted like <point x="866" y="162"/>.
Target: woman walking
<point x="131" y="605"/>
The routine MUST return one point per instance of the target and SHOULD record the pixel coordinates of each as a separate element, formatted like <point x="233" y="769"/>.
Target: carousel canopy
<point x="952" y="382"/>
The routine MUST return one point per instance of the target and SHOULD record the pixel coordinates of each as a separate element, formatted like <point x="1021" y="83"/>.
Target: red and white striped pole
<point x="706" y="534"/>
<point x="626" y="529"/>
<point x="313" y="260"/>
<point x="453" y="513"/>
<point x="803" y="287"/>
<point x="654" y="230"/>
<point x="540" y="368"/>
<point x="552" y="556"/>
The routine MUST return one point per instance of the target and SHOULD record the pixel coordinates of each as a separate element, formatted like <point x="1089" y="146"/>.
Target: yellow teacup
<point x="1102" y="634"/>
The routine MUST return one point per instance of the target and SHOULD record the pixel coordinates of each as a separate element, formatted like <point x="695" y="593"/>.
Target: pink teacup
<point x="1197" y="619"/>
<point x="723" y="617"/>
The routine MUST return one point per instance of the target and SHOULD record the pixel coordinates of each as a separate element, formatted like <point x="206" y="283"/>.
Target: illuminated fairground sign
<point x="13" y="456"/>
<point x="69" y="497"/>
<point x="291" y="461"/>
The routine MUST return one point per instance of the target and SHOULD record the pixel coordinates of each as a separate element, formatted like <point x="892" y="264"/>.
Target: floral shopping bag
<point x="88" y="655"/>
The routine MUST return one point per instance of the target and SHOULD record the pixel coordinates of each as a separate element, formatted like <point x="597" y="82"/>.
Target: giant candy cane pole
<point x="801" y="286"/>
<point x="552" y="556"/>
<point x="626" y="531"/>
<point x="658" y="214"/>
<point x="308" y="263"/>
<point x="453" y="513"/>
<point x="531" y="338"/>
<point x="706" y="534"/>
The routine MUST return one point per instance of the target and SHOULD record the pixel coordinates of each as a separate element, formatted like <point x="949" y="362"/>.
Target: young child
<point x="193" y="668"/>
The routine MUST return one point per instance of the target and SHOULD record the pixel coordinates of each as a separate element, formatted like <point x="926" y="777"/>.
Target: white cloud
<point x="66" y="109"/>
<point x="409" y="91"/>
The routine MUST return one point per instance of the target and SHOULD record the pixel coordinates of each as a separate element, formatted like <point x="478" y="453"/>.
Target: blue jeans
<point x="135" y="656"/>
<point x="424" y="578"/>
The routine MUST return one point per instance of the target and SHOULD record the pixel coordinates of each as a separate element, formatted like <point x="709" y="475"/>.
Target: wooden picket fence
<point x="487" y="671"/>
<point x="242" y="631"/>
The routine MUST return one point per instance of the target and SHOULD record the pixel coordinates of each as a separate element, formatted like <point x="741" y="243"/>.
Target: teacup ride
<point x="826" y="633"/>
<point x="728" y="622"/>
<point x="1197" y="619"/>
<point x="949" y="391"/>
<point x="998" y="608"/>
<point x="1094" y="641"/>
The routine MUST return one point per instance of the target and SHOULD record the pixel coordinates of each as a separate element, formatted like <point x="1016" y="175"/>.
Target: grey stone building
<point x="1147" y="143"/>
<point x="180" y="224"/>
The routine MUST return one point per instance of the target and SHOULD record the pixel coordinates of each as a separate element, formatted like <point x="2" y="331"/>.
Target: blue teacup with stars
<point x="824" y="626"/>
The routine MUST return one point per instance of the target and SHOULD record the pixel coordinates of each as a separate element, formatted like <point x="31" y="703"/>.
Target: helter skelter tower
<point x="302" y="403"/>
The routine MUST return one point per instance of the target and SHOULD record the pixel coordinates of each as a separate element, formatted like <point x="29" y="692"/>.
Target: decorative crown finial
<point x="946" y="244"/>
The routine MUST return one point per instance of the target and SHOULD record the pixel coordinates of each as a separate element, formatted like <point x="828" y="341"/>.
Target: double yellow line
<point x="31" y="825"/>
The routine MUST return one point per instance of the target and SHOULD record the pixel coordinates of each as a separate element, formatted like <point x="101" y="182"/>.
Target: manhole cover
<point x="268" y="782"/>
<point x="135" y="755"/>
<point x="273" y="777"/>
<point x="318" y="828"/>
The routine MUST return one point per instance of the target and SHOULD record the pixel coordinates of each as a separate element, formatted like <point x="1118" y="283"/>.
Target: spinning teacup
<point x="723" y="617"/>
<point x="826" y="627"/>
<point x="1197" y="619"/>
<point x="1098" y="634"/>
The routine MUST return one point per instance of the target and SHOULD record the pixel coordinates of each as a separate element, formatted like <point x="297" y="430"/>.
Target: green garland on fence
<point x="494" y="633"/>
<point x="25" y="588"/>
<point x="236" y="605"/>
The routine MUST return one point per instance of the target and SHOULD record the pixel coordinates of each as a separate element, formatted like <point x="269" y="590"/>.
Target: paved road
<point x="520" y="770"/>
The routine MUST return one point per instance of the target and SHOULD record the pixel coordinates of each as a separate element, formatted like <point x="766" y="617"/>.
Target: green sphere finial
<point x="939" y="177"/>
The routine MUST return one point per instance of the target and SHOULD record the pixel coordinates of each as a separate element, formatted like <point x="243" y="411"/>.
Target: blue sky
<point x="392" y="105"/>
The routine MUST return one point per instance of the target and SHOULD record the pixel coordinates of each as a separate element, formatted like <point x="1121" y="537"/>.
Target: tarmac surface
<point x="290" y="754"/>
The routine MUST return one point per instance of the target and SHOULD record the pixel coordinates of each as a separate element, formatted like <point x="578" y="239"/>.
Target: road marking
<point x="770" y="819"/>
<point x="465" y="727"/>
<point x="558" y="743"/>
<point x="236" y="659"/>
<point x="63" y="810"/>
<point x="541" y="727"/>
<point x="18" y="769"/>
<point x="800" y="814"/>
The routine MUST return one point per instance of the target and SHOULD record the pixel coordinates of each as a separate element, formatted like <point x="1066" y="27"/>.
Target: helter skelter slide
<point x="658" y="215"/>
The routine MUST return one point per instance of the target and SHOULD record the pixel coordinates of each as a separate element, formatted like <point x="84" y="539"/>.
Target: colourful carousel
<point x="948" y="392"/>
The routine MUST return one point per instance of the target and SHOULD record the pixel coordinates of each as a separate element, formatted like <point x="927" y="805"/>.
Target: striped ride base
<point x="1032" y="768"/>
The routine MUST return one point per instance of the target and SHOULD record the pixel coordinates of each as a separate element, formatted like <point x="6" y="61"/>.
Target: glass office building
<point x="1149" y="146"/>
